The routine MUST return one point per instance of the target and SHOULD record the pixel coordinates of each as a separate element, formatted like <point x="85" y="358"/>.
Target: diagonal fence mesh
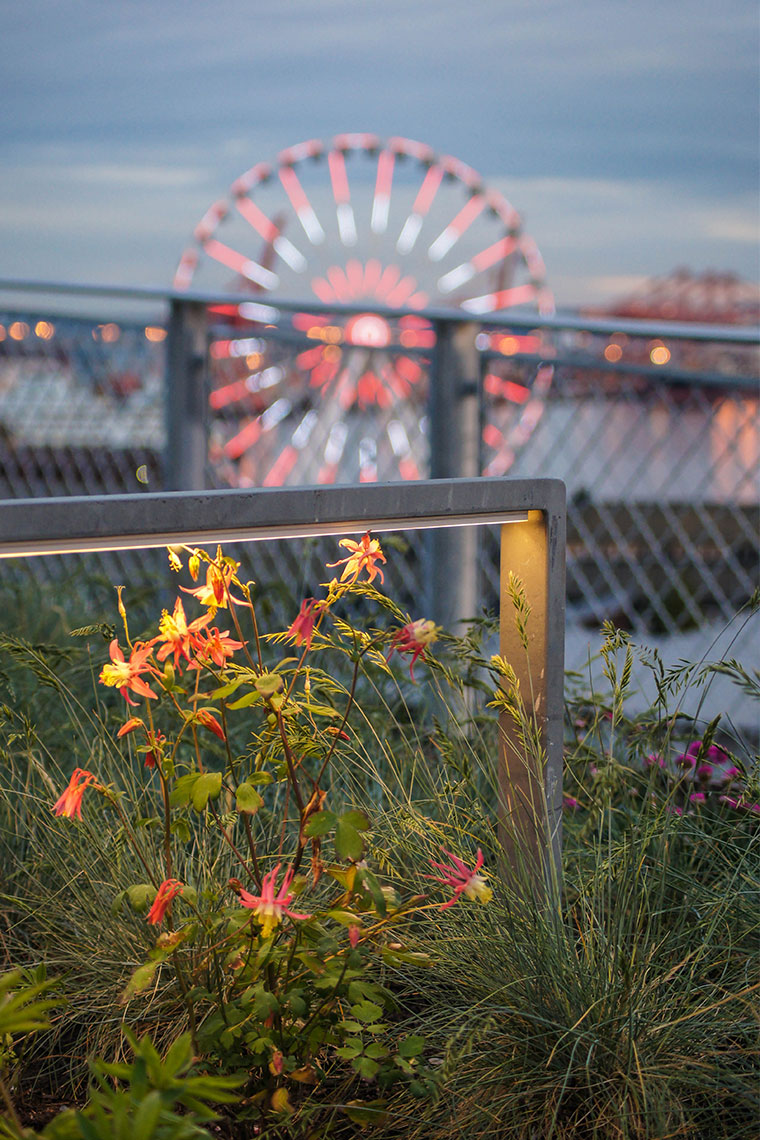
<point x="661" y="463"/>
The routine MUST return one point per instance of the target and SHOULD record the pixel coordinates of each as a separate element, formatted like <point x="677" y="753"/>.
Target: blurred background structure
<point x="361" y="329"/>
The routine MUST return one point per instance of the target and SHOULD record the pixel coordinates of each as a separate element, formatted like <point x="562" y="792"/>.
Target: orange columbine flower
<point x="465" y="882"/>
<point x="414" y="638"/>
<point x="70" y="803"/>
<point x="268" y="906"/>
<point x="209" y="721"/>
<point x="176" y="634"/>
<point x="168" y="890"/>
<point x="123" y="675"/>
<point x="363" y="556"/>
<point x="302" y="629"/>
<point x="217" y="586"/>
<point x="130" y="726"/>
<point x="211" y="645"/>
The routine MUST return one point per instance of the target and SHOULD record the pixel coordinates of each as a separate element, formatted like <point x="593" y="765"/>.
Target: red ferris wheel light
<point x="367" y="330"/>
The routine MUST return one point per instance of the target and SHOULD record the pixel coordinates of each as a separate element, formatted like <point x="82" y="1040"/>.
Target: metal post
<point x="454" y="452"/>
<point x="186" y="370"/>
<point x="530" y="824"/>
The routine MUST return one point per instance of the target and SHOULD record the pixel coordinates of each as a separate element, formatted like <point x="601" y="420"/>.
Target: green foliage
<point x="304" y="956"/>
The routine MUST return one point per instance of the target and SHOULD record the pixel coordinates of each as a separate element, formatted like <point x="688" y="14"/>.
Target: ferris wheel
<point x="310" y="396"/>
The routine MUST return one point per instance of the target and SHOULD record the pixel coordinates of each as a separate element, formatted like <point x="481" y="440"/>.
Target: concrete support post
<point x="454" y="417"/>
<point x="530" y="755"/>
<point x="186" y="395"/>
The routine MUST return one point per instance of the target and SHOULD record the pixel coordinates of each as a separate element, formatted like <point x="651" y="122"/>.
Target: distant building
<point x="709" y="298"/>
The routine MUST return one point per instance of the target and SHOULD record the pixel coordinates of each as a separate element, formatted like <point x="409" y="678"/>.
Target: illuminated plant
<point x="278" y="952"/>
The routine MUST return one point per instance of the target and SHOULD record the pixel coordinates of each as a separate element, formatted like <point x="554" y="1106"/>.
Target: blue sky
<point x="624" y="131"/>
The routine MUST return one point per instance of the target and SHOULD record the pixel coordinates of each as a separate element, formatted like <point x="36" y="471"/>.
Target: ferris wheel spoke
<point x="282" y="467"/>
<point x="346" y="222"/>
<point x="266" y="229"/>
<point x="339" y="282"/>
<point x="246" y="267"/>
<point x="334" y="448"/>
<point x="387" y="282"/>
<point x="355" y="277"/>
<point x="477" y="264"/>
<point x="229" y="394"/>
<point x="456" y="227"/>
<point x="323" y="290"/>
<point x="302" y="206"/>
<point x="186" y="268"/>
<point x="382" y="200"/>
<point x="401" y="293"/>
<point x="503" y="299"/>
<point x="243" y="440"/>
<point x="372" y="273"/>
<point x="422" y="203"/>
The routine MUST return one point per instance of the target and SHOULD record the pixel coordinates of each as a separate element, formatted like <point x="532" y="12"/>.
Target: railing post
<point x="454" y="453"/>
<point x="186" y="385"/>
<point x="530" y="753"/>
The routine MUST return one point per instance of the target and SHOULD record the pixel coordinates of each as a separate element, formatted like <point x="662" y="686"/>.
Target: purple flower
<point x="570" y="803"/>
<point x="705" y="771"/>
<point x="740" y="804"/>
<point x="654" y="760"/>
<point x="698" y="798"/>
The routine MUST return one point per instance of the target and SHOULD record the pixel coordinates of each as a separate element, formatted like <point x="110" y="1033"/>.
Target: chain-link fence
<point x="653" y="429"/>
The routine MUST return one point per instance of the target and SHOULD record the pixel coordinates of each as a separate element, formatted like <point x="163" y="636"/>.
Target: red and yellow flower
<point x="211" y="645"/>
<point x="70" y="803"/>
<point x="463" y="880"/>
<point x="269" y="907"/>
<point x="414" y="638"/>
<point x="168" y="890"/>
<point x="362" y="556"/>
<point x="124" y="675"/>
<point x="302" y="629"/>
<point x="175" y="633"/>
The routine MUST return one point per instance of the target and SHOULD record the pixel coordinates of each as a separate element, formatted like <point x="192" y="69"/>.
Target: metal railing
<point x="653" y="427"/>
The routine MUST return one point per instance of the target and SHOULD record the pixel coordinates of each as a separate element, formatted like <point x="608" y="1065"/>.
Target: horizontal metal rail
<point x="570" y="322"/>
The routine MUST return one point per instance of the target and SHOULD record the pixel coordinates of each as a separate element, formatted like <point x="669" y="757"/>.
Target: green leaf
<point x="357" y="820"/>
<point x="248" y="799"/>
<point x="181" y="828"/>
<point x="411" y="1046"/>
<point x="244" y="702"/>
<point x="182" y="790"/>
<point x="265" y="1004"/>
<point x="227" y="690"/>
<point x="320" y="823"/>
<point x="345" y="917"/>
<point x="146" y="1118"/>
<point x="376" y="1051"/>
<point x="21" y="1010"/>
<point x="369" y="879"/>
<point x="141" y="979"/>
<point x="365" y="1112"/>
<point x="140" y="895"/>
<point x="348" y="1052"/>
<point x="259" y="778"/>
<point x="207" y="787"/>
<point x="348" y="841"/>
<point x="321" y="710"/>
<point x="366" y="1067"/>
<point x="366" y="1011"/>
